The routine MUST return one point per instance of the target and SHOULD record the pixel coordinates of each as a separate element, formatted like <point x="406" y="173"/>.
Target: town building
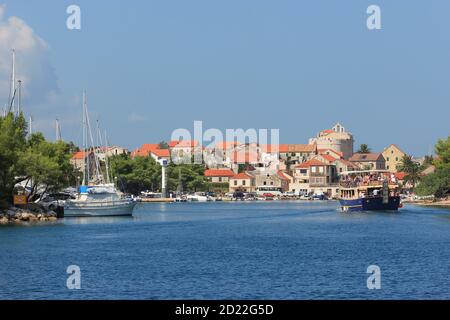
<point x="278" y="181"/>
<point x="144" y="150"/>
<point x="337" y="139"/>
<point x="81" y="158"/>
<point x="393" y="156"/>
<point x="160" y="154"/>
<point x="315" y="176"/>
<point x="343" y="165"/>
<point x="183" y="151"/>
<point x="243" y="182"/>
<point x="293" y="154"/>
<point x="108" y="152"/>
<point x="219" y="175"/>
<point x="369" y="161"/>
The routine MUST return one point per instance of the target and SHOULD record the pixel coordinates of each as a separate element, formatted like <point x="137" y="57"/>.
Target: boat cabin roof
<point x="366" y="187"/>
<point x="348" y="173"/>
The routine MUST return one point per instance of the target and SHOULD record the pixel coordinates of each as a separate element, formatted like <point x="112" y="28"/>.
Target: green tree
<point x="411" y="168"/>
<point x="46" y="165"/>
<point x="163" y="145"/>
<point x="363" y="148"/>
<point x="12" y="141"/>
<point x="137" y="174"/>
<point x="438" y="183"/>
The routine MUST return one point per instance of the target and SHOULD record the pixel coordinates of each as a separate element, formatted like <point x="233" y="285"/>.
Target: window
<point x="265" y="182"/>
<point x="243" y="182"/>
<point x="387" y="159"/>
<point x="220" y="179"/>
<point x="271" y="183"/>
<point x="235" y="182"/>
<point x="313" y="169"/>
<point x="396" y="158"/>
<point x="321" y="169"/>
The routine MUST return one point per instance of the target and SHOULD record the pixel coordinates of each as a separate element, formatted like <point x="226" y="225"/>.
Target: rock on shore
<point x="31" y="214"/>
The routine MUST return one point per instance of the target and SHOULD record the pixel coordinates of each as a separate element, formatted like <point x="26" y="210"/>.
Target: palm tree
<point x="412" y="170"/>
<point x="364" y="148"/>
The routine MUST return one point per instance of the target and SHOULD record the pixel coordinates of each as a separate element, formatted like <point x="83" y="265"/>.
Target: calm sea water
<point x="258" y="250"/>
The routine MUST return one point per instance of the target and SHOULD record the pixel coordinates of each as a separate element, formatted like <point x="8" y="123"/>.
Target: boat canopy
<point x="348" y="173"/>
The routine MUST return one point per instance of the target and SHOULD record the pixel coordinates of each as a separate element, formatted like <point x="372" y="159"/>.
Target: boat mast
<point x="108" y="181"/>
<point x="58" y="130"/>
<point x="30" y="125"/>
<point x="101" y="149"/>
<point x="12" y="90"/>
<point x="90" y="139"/>
<point x="19" y="102"/>
<point x="85" y="151"/>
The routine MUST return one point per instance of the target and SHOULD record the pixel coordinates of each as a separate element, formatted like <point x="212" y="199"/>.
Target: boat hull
<point x="95" y="210"/>
<point x="370" y="204"/>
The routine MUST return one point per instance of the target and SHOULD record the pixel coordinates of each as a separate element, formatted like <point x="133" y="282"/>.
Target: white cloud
<point x="32" y="63"/>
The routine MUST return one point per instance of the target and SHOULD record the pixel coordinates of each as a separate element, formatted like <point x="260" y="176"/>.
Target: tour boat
<point x="368" y="190"/>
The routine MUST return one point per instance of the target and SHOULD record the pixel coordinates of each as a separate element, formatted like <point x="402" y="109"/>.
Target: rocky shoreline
<point x="32" y="213"/>
<point x="444" y="203"/>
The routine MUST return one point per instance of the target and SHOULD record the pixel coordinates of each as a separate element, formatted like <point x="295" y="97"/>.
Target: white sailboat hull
<point x="99" y="209"/>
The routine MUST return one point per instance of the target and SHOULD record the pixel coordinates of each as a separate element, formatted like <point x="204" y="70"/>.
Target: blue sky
<point x="150" y="67"/>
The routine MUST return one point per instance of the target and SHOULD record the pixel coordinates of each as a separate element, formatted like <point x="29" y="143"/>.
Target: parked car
<point x="238" y="195"/>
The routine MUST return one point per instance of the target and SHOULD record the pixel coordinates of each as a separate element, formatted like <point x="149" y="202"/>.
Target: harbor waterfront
<point x="231" y="250"/>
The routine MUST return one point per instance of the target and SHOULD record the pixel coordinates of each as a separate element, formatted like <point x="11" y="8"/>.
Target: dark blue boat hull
<point x="370" y="204"/>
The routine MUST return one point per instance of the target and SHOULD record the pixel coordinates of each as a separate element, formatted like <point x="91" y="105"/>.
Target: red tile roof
<point x="80" y="155"/>
<point x="165" y="153"/>
<point x="361" y="157"/>
<point x="183" y="143"/>
<point x="294" y="148"/>
<point x="147" y="148"/>
<point x="310" y="163"/>
<point x="219" y="173"/>
<point x="400" y="175"/>
<point x="328" y="151"/>
<point x="328" y="157"/>
<point x="283" y="175"/>
<point x="242" y="175"/>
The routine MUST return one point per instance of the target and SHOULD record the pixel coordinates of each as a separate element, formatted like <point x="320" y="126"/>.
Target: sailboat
<point x="97" y="196"/>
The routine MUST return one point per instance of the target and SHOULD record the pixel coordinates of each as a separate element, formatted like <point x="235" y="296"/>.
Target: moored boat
<point x="96" y="197"/>
<point x="368" y="190"/>
<point x="99" y="201"/>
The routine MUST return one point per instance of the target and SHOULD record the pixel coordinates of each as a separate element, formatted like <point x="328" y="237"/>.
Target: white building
<point x="337" y="139"/>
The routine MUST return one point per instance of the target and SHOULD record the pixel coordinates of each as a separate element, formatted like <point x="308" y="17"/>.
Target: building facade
<point x="243" y="182"/>
<point x="337" y="139"/>
<point x="219" y="175"/>
<point x="393" y="156"/>
<point x="315" y="176"/>
<point x="369" y="161"/>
